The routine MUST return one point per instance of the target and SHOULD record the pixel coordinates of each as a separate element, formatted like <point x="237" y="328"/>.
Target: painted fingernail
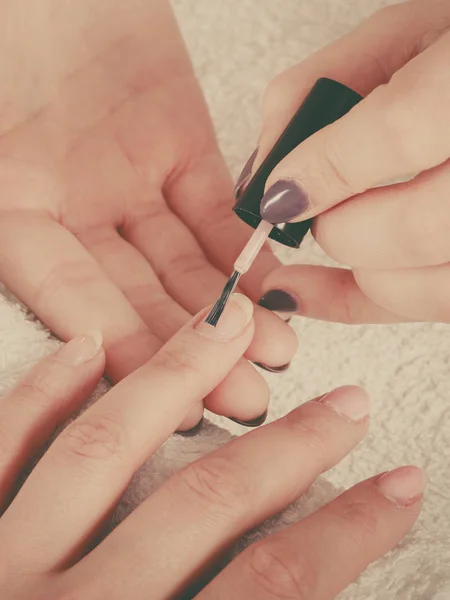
<point x="283" y="201"/>
<point x="403" y="486"/>
<point x="80" y="349"/>
<point x="281" y="369"/>
<point x="235" y="318"/>
<point x="253" y="423"/>
<point x="194" y="431"/>
<point x="279" y="302"/>
<point x="245" y="175"/>
<point x="350" y="402"/>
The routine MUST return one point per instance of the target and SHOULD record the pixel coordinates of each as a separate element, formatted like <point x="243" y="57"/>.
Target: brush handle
<point x="245" y="259"/>
<point x="327" y="102"/>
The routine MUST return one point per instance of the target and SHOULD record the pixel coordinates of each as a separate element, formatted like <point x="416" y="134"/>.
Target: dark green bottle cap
<point x="327" y="102"/>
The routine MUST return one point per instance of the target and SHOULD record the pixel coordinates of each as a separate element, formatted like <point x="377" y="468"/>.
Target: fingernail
<point x="245" y="175"/>
<point x="80" y="349"/>
<point x="350" y="402"/>
<point x="279" y="302"/>
<point x="236" y="316"/>
<point x="403" y="486"/>
<point x="254" y="423"/>
<point x="281" y="369"/>
<point x="283" y="201"/>
<point x="194" y="431"/>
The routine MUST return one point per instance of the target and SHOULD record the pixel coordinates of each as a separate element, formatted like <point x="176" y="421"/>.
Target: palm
<point x="109" y="173"/>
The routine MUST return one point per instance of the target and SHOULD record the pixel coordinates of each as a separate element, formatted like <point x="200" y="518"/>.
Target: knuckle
<point x="313" y="436"/>
<point x="83" y="273"/>
<point x="178" y="358"/>
<point x="333" y="172"/>
<point x="278" y="570"/>
<point x="99" y="437"/>
<point x="362" y="522"/>
<point x="36" y="390"/>
<point x="218" y="484"/>
<point x="188" y="264"/>
<point x="147" y="297"/>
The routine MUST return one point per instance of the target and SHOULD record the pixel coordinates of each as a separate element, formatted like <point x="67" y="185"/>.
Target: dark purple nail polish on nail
<point x="283" y="201"/>
<point x="279" y="302"/>
<point x="245" y="174"/>
<point x="281" y="369"/>
<point x="193" y="431"/>
<point x="254" y="423"/>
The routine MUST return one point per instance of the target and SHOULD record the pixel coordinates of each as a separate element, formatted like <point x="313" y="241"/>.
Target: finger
<point x="324" y="293"/>
<point x="219" y="497"/>
<point x="421" y="294"/>
<point x="318" y="557"/>
<point x="243" y="396"/>
<point x="49" y="270"/>
<point x="398" y="227"/>
<point x="337" y="162"/>
<point x="87" y="468"/>
<point x="133" y="275"/>
<point x="191" y="280"/>
<point x="364" y="59"/>
<point x="209" y="215"/>
<point x="173" y="252"/>
<point x="43" y="399"/>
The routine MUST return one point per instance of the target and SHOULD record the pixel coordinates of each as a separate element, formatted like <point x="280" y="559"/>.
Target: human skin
<point x="115" y="204"/>
<point x="378" y="179"/>
<point x="51" y="540"/>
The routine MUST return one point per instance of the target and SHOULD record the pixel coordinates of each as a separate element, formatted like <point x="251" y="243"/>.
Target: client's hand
<point x="115" y="207"/>
<point x="50" y="530"/>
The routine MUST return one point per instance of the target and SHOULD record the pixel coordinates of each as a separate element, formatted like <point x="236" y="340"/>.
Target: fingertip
<point x="81" y="349"/>
<point x="351" y="402"/>
<point x="403" y="486"/>
<point x="285" y="201"/>
<point x="243" y="394"/>
<point x="274" y="342"/>
<point x="232" y="323"/>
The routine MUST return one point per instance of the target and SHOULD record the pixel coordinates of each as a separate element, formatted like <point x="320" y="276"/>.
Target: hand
<point x="115" y="208"/>
<point x="49" y="532"/>
<point x="394" y="238"/>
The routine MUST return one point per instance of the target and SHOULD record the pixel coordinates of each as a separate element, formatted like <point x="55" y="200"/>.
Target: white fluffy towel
<point x="237" y="46"/>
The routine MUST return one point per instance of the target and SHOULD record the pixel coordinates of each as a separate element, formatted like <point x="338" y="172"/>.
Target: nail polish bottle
<point x="327" y="102"/>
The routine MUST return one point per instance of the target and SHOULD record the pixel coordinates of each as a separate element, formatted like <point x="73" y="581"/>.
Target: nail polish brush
<point x="242" y="264"/>
<point x="327" y="102"/>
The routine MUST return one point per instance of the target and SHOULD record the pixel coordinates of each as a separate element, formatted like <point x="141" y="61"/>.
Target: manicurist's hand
<point x="396" y="237"/>
<point x="170" y="545"/>
<point x="115" y="204"/>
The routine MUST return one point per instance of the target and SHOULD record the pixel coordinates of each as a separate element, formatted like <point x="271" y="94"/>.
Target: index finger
<point x="88" y="467"/>
<point x="47" y="267"/>
<point x="398" y="131"/>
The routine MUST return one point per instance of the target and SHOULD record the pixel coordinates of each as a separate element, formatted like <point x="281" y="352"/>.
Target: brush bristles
<point x="219" y="306"/>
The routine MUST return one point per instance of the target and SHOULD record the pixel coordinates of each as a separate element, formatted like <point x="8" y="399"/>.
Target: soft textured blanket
<point x="237" y="46"/>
